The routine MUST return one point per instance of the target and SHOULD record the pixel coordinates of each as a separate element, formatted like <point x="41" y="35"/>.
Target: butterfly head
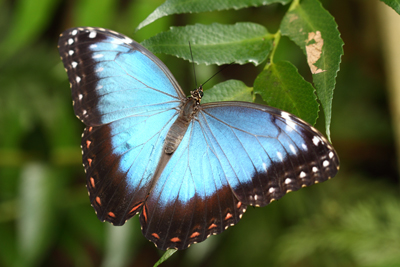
<point x="197" y="94"/>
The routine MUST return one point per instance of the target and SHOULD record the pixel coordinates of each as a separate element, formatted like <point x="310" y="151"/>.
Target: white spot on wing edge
<point x="78" y="79"/>
<point x="291" y="125"/>
<point x="74" y="32"/>
<point x="285" y="115"/>
<point x="70" y="41"/>
<point x="331" y="154"/>
<point x="70" y="52"/>
<point x="271" y="190"/>
<point x="316" y="140"/>
<point x="325" y="163"/>
<point x="92" y="34"/>
<point x="74" y="64"/>
<point x="128" y="40"/>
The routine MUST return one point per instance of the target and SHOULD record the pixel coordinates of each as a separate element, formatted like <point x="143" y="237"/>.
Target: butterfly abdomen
<point x="178" y="129"/>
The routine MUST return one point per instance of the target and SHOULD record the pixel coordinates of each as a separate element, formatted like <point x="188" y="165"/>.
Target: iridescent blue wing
<point x="128" y="99"/>
<point x="233" y="154"/>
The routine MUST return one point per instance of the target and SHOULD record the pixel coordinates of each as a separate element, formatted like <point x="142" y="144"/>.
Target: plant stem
<point x="277" y="37"/>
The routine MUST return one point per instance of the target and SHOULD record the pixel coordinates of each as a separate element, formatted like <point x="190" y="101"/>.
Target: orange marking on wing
<point x="228" y="216"/>
<point x="212" y="226"/>
<point x="90" y="162"/>
<point x="135" y="208"/>
<point x="195" y="234"/>
<point x="98" y="200"/>
<point x="145" y="213"/>
<point x="175" y="239"/>
<point x="88" y="143"/>
<point x="155" y="235"/>
<point x="111" y="214"/>
<point x="239" y="204"/>
<point x="92" y="182"/>
<point x="90" y="129"/>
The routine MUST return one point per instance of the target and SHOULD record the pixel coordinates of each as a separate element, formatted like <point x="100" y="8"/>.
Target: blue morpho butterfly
<point x="190" y="170"/>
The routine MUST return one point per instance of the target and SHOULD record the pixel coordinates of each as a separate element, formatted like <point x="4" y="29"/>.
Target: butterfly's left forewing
<point x="128" y="99"/>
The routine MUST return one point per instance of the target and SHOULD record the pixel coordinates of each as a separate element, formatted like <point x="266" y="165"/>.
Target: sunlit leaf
<point x="215" y="44"/>
<point x="194" y="6"/>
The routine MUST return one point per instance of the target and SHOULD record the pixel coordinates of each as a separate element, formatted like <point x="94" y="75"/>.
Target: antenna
<point x="217" y="73"/>
<point x="194" y="69"/>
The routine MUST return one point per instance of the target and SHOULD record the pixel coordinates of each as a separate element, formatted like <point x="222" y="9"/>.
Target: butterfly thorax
<point x="197" y="94"/>
<point x="179" y="127"/>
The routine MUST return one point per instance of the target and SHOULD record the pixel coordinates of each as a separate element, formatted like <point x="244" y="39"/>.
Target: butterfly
<point x="189" y="169"/>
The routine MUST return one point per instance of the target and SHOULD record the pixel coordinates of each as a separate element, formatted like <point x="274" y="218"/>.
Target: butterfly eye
<point x="224" y="156"/>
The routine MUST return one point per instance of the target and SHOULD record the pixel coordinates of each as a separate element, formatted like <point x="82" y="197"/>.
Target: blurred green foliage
<point x="46" y="218"/>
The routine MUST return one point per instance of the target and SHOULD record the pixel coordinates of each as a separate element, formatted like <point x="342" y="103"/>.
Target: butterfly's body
<point x="179" y="127"/>
<point x="190" y="170"/>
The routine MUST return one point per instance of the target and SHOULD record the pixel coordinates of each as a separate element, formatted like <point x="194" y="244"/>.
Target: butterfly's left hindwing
<point x="128" y="99"/>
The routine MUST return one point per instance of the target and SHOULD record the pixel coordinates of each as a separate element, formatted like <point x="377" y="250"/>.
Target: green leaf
<point x="314" y="30"/>
<point x="29" y="21"/>
<point x="395" y="4"/>
<point x="215" y="44"/>
<point x="165" y="256"/>
<point x="195" y="6"/>
<point x="231" y="90"/>
<point x="281" y="86"/>
<point x="36" y="224"/>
